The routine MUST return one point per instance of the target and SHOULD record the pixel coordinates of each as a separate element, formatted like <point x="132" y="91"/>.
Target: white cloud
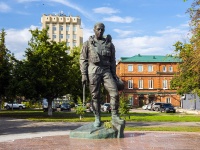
<point x="74" y="6"/>
<point x="123" y="33"/>
<point x="118" y="19"/>
<point x="87" y="32"/>
<point x="150" y="45"/>
<point x="180" y="16"/>
<point x="17" y="41"/>
<point x="105" y="10"/>
<point x="27" y="1"/>
<point x="4" y="7"/>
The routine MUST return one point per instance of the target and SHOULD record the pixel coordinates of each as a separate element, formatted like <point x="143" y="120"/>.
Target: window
<point x="67" y="36"/>
<point x="61" y="36"/>
<point x="140" y="68"/>
<point x="140" y="84"/>
<point x="130" y="84"/>
<point x="170" y="69"/>
<point x="74" y="28"/>
<point x="150" y="82"/>
<point x="61" y="28"/>
<point x="130" y="100"/>
<point x="168" y="100"/>
<point x="74" y="37"/>
<point x="150" y="68"/>
<point x="54" y="28"/>
<point x="74" y="44"/>
<point x="67" y="27"/>
<point x="130" y="68"/>
<point x="54" y="36"/>
<point x="68" y="44"/>
<point x="164" y="84"/>
<point x="164" y="69"/>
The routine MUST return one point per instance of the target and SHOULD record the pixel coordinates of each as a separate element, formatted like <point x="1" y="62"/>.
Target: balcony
<point x="165" y="73"/>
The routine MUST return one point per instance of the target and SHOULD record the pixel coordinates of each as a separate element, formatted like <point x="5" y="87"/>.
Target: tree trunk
<point x="0" y="104"/>
<point x="49" y="107"/>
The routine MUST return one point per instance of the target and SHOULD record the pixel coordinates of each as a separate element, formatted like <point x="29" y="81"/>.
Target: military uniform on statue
<point x="98" y="65"/>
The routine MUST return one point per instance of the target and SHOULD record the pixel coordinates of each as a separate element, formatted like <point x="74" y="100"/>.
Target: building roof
<point x="149" y="58"/>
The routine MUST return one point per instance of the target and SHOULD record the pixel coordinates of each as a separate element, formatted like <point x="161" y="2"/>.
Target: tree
<point x="5" y="66"/>
<point x="46" y="69"/>
<point x="76" y="87"/>
<point x="80" y="109"/>
<point x="123" y="109"/>
<point x="188" y="79"/>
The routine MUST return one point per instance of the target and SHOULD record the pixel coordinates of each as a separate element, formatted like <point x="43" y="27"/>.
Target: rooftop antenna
<point x="61" y="13"/>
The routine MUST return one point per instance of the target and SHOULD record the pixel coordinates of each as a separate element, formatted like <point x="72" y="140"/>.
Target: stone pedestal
<point x="88" y="131"/>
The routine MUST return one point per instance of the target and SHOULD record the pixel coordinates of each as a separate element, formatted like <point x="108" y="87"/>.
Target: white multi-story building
<point x="64" y="28"/>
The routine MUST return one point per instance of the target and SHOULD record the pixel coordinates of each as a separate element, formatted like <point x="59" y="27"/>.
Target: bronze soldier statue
<point x="98" y="66"/>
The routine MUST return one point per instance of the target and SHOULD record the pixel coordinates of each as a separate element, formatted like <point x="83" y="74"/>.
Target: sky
<point x="146" y="27"/>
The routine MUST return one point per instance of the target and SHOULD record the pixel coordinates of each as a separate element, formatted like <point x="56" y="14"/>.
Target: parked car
<point x="167" y="107"/>
<point x="14" y="106"/>
<point x="106" y="107"/>
<point x="145" y="107"/>
<point x="149" y="106"/>
<point x="45" y="105"/>
<point x="65" y="106"/>
<point x="156" y="106"/>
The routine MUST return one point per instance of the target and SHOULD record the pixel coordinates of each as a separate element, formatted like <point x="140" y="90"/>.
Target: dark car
<point x="167" y="107"/>
<point x="156" y="106"/>
<point x="65" y="106"/>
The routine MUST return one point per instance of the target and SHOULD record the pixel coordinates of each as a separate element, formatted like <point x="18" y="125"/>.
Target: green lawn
<point x="174" y="129"/>
<point x="39" y="115"/>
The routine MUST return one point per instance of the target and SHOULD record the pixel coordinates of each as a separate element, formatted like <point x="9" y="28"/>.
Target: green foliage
<point x="188" y="78"/>
<point x="31" y="104"/>
<point x="108" y="125"/>
<point x="123" y="109"/>
<point x="46" y="67"/>
<point x="80" y="109"/>
<point x="165" y="128"/>
<point x="6" y="66"/>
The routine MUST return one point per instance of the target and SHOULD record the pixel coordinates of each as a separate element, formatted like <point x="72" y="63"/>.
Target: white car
<point x="145" y="107"/>
<point x="14" y="106"/>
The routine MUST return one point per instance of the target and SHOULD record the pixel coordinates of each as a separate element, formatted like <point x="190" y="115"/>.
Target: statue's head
<point x="99" y="29"/>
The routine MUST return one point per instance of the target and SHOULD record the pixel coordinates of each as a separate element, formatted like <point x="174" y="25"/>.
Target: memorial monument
<point x="98" y="67"/>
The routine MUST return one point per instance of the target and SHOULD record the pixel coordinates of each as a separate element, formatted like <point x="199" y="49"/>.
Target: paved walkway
<point x="21" y="134"/>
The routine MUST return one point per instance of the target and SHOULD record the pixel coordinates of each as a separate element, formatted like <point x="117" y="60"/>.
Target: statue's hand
<point x="84" y="79"/>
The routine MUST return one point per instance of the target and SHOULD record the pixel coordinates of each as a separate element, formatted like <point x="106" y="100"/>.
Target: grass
<point x="172" y="129"/>
<point x="39" y="115"/>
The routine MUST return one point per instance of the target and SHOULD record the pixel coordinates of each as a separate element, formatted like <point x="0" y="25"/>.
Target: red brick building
<point x="147" y="78"/>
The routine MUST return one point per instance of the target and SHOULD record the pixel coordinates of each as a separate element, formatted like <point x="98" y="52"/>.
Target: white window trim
<point x="140" y="84"/>
<point x="130" y="84"/>
<point x="165" y="84"/>
<point x="131" y="68"/>
<point x="141" y="68"/>
<point x="170" y="69"/>
<point x="164" y="69"/>
<point x="151" y="68"/>
<point x="168" y="100"/>
<point x="150" y="82"/>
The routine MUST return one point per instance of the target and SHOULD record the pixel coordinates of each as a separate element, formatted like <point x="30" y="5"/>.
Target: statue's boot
<point x="97" y="122"/>
<point x="116" y="118"/>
